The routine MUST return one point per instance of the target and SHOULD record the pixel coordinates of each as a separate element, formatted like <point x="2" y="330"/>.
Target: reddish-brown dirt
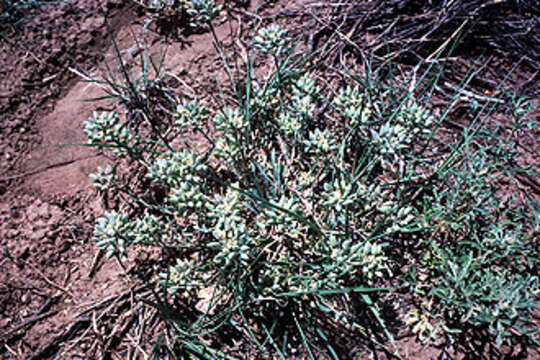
<point x="46" y="208"/>
<point x="50" y="269"/>
<point x="34" y="67"/>
<point x="56" y="295"/>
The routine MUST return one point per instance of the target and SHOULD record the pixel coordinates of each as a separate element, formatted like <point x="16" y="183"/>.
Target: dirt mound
<point x="34" y="67"/>
<point x="46" y="255"/>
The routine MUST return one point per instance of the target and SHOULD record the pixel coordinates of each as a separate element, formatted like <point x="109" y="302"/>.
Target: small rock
<point x="31" y="213"/>
<point x="44" y="211"/>
<point x="86" y="39"/>
<point x="38" y="235"/>
<point x="25" y="299"/>
<point x="92" y="23"/>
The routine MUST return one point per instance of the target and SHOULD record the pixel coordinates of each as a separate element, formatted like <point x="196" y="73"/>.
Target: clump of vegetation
<point x="314" y="204"/>
<point x="197" y="12"/>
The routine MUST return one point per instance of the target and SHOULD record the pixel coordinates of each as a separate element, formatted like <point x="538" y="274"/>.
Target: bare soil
<point x="47" y="206"/>
<point x="56" y="293"/>
<point x="54" y="285"/>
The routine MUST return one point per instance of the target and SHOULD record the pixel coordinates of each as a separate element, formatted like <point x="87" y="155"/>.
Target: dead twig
<point x="120" y="329"/>
<point x="40" y="170"/>
<point x="67" y="334"/>
<point x="93" y="266"/>
<point x="116" y="297"/>
<point x="28" y="322"/>
<point x="49" y="281"/>
<point x="26" y="282"/>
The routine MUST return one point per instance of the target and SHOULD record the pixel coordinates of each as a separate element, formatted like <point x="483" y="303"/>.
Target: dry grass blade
<point x="409" y="31"/>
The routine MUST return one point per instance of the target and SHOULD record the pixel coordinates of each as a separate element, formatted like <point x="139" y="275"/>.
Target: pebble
<point x="25" y="299"/>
